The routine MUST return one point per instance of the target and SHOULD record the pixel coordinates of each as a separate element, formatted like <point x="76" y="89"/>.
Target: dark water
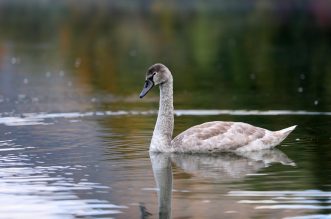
<point x="74" y="136"/>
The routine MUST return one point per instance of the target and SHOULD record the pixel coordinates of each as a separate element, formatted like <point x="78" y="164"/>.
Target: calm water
<point x="74" y="135"/>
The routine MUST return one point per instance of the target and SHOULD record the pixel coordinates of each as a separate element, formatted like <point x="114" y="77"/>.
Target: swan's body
<point x="208" y="137"/>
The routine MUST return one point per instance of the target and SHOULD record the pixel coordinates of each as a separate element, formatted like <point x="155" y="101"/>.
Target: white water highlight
<point x="41" y="118"/>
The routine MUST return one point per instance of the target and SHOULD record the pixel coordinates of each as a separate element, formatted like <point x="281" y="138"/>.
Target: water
<point x="74" y="135"/>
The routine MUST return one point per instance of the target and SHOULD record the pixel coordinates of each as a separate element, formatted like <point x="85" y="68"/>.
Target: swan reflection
<point x="224" y="167"/>
<point x="228" y="166"/>
<point x="162" y="171"/>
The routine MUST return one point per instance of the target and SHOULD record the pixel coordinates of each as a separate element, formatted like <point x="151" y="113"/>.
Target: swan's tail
<point x="269" y="141"/>
<point x="282" y="134"/>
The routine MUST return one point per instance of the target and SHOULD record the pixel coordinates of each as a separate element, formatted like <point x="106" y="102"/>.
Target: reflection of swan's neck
<point x="163" y="176"/>
<point x="162" y="134"/>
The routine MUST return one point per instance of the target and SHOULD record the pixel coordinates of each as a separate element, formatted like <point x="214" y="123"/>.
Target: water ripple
<point x="287" y="200"/>
<point x="31" y="191"/>
<point x="305" y="193"/>
<point x="312" y="216"/>
<point x="47" y="118"/>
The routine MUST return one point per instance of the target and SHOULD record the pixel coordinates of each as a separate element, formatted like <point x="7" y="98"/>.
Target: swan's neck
<point x="162" y="135"/>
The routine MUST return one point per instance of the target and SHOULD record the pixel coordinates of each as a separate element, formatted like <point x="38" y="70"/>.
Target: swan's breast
<point x="220" y="136"/>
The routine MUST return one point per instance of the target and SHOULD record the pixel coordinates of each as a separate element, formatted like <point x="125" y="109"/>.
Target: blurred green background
<point x="259" y="54"/>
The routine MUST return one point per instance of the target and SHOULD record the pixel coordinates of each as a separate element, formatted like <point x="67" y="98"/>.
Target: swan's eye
<point x="151" y="77"/>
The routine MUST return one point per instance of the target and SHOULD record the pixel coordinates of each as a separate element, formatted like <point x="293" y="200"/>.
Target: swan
<point x="209" y="137"/>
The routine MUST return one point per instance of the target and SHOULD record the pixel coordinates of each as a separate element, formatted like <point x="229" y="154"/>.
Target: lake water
<point x="74" y="136"/>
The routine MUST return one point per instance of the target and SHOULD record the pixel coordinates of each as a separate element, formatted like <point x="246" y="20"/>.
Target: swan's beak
<point x="149" y="84"/>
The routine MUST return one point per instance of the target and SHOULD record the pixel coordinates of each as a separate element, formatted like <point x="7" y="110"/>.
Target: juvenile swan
<point x="208" y="137"/>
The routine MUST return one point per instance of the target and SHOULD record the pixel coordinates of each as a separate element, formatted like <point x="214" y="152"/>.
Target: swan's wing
<point x="220" y="136"/>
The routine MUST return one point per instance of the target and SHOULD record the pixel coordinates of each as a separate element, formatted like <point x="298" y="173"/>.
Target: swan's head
<point x="156" y="74"/>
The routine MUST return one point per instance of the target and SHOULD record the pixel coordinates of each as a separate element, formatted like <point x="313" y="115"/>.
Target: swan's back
<point x="220" y="136"/>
